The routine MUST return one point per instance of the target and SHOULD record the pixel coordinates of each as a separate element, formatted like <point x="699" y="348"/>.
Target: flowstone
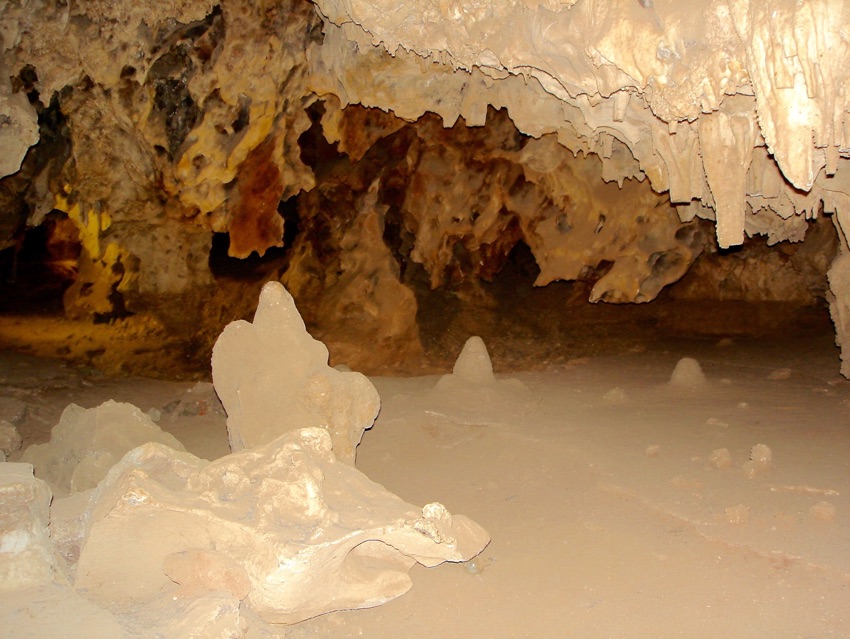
<point x="272" y="377"/>
<point x="284" y="527"/>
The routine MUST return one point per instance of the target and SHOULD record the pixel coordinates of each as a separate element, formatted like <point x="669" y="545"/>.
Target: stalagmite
<point x="473" y="364"/>
<point x="273" y="377"/>
<point x="687" y="375"/>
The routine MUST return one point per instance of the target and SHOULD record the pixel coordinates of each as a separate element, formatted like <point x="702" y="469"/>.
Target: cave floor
<point x="612" y="508"/>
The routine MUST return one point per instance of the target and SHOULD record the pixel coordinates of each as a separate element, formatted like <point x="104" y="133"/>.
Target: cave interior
<point x="590" y="188"/>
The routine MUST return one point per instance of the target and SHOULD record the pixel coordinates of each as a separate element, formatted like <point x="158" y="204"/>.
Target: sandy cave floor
<point x="610" y="512"/>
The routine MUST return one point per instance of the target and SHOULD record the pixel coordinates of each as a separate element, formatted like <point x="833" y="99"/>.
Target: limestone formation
<point x="284" y="527"/>
<point x="687" y="375"/>
<point x="26" y="555"/>
<point x="462" y="394"/>
<point x="163" y="111"/>
<point x="273" y="377"/>
<point x="755" y="82"/>
<point x="86" y="443"/>
<point x="19" y="128"/>
<point x="583" y="84"/>
<point x="593" y="132"/>
<point x="473" y="364"/>
<point x="10" y="439"/>
<point x="349" y="281"/>
<point x="37" y="598"/>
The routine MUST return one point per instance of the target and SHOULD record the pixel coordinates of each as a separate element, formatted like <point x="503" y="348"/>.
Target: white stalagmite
<point x="687" y="374"/>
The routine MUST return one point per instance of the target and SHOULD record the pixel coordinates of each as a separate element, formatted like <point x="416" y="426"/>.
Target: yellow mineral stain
<point x="89" y="221"/>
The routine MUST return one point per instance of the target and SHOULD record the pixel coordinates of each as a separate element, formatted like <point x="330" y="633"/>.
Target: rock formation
<point x="434" y="134"/>
<point x="27" y="556"/>
<point x="473" y="365"/>
<point x="285" y="526"/>
<point x="10" y="439"/>
<point x="687" y="375"/>
<point x="462" y="395"/>
<point x="273" y="377"/>
<point x="86" y="443"/>
<point x="746" y="81"/>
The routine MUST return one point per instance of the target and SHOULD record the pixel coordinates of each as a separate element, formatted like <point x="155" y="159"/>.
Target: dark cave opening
<point x="255" y="267"/>
<point x="37" y="269"/>
<point x="316" y="151"/>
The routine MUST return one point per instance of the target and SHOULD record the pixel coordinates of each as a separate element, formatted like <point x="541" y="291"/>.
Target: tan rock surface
<point x="273" y="377"/>
<point x="311" y="534"/>
<point x="163" y="125"/>
<point x="87" y="443"/>
<point x="26" y="554"/>
<point x="675" y="70"/>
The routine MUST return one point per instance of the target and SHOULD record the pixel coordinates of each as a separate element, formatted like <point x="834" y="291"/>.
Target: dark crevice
<point x="249" y="268"/>
<point x="254" y="267"/>
<point x="186" y="48"/>
<point x="36" y="271"/>
<point x="316" y="151"/>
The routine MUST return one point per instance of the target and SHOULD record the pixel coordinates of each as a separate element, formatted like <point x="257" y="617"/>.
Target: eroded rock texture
<point x="86" y="443"/>
<point x="284" y="527"/>
<point x="181" y="120"/>
<point x="26" y="558"/>
<point x="641" y="73"/>
<point x="594" y="133"/>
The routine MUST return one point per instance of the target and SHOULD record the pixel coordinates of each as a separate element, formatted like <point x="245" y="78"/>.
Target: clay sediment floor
<point x="618" y="505"/>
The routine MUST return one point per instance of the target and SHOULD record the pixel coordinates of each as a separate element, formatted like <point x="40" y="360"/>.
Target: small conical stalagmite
<point x="688" y="374"/>
<point x="473" y="364"/>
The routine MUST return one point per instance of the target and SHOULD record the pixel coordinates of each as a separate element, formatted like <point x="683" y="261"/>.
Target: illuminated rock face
<point x="188" y="118"/>
<point x="284" y="527"/>
<point x="179" y="123"/>
<point x="273" y="377"/>
<point x="27" y="557"/>
<point x="679" y="84"/>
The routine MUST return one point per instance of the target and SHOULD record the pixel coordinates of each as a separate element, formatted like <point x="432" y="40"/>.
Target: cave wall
<point x="181" y="119"/>
<point x="435" y="137"/>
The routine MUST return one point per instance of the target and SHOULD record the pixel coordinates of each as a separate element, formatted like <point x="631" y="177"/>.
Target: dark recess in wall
<point x="35" y="272"/>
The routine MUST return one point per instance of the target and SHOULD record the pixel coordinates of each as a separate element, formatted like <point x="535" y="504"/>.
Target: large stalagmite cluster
<point x="440" y="134"/>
